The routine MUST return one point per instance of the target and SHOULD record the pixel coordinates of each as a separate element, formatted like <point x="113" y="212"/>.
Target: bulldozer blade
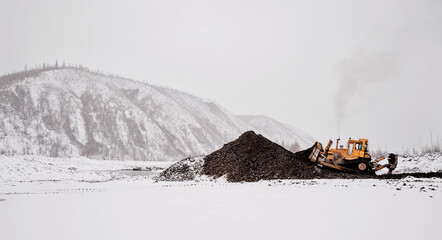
<point x="316" y="151"/>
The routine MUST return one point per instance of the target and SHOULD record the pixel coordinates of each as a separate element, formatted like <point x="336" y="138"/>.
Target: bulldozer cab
<point x="357" y="148"/>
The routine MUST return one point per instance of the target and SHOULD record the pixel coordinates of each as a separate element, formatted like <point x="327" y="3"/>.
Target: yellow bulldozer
<point x="355" y="158"/>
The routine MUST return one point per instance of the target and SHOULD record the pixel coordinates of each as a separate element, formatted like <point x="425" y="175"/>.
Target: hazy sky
<point x="355" y="68"/>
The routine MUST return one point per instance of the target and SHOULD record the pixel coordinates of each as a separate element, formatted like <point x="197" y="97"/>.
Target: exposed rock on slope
<point x="74" y="112"/>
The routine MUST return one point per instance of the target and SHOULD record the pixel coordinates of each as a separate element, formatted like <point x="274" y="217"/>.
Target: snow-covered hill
<point x="74" y="112"/>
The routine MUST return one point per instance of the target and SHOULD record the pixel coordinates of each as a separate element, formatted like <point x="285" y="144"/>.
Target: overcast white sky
<point x="355" y="68"/>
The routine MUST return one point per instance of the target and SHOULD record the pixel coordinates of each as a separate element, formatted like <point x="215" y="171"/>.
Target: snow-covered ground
<point x="15" y="169"/>
<point x="291" y="209"/>
<point x="44" y="198"/>
<point x="430" y="162"/>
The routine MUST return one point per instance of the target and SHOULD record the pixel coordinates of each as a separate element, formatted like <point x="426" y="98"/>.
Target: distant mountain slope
<point x="74" y="112"/>
<point x="279" y="132"/>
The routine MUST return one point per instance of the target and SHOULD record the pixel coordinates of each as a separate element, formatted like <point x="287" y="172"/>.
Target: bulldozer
<point x="354" y="159"/>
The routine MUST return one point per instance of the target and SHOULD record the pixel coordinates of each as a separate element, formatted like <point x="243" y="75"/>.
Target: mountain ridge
<point x="77" y="112"/>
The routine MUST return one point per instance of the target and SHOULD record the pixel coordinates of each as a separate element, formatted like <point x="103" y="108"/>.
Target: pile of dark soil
<point x="185" y="170"/>
<point x="253" y="157"/>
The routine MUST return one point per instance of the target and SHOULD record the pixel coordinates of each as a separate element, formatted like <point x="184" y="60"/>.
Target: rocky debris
<point x="184" y="170"/>
<point x="252" y="157"/>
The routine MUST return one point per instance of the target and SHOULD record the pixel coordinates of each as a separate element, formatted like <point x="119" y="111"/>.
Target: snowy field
<point x="430" y="162"/>
<point x="43" y="169"/>
<point x="45" y="198"/>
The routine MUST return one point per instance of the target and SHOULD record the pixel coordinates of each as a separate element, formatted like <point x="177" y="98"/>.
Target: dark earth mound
<point x="253" y="157"/>
<point x="185" y="170"/>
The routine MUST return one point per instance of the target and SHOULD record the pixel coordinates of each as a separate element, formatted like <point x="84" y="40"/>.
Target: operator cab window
<point x="358" y="146"/>
<point x="350" y="148"/>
